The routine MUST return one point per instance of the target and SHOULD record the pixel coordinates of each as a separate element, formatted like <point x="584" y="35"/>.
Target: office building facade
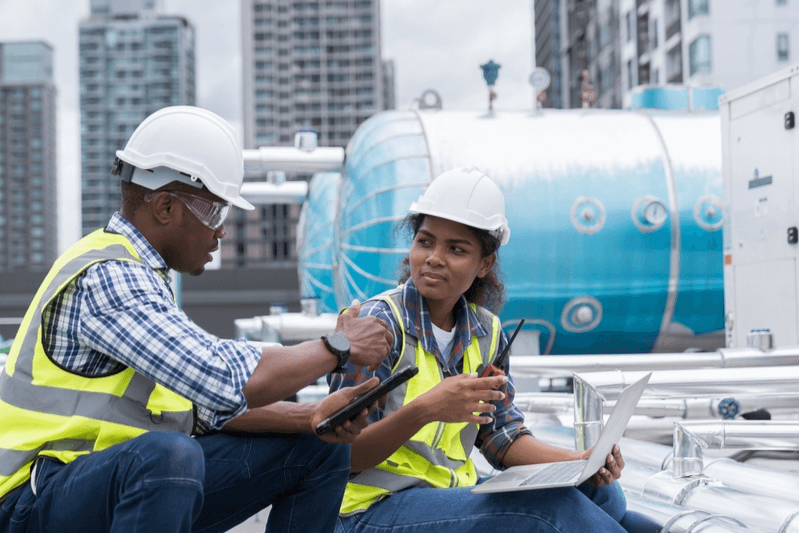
<point x="133" y="61"/>
<point x="624" y="44"/>
<point x="308" y="65"/>
<point x="28" y="188"/>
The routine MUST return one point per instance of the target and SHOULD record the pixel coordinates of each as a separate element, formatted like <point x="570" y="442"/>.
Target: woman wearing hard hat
<point x="411" y="469"/>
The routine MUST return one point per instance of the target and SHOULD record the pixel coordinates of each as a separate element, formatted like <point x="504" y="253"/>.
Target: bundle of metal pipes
<point x="698" y="399"/>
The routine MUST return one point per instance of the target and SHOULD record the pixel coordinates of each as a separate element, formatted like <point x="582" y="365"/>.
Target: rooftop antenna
<point x="490" y="73"/>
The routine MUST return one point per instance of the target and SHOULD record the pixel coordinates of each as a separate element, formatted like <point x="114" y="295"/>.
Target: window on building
<point x="698" y="7"/>
<point x="654" y="34"/>
<point x="606" y="80"/>
<point x="782" y="2"/>
<point x="630" y="27"/>
<point x="699" y="51"/>
<point x="630" y="74"/>
<point x="783" y="47"/>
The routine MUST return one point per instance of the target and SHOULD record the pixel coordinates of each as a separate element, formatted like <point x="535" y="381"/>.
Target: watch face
<point x="337" y="341"/>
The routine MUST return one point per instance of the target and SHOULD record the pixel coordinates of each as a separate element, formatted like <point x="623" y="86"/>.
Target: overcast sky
<point x="434" y="44"/>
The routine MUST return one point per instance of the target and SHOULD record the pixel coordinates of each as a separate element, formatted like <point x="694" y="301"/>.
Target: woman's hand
<point x="350" y="429"/>
<point x="456" y="399"/>
<point x="614" y="463"/>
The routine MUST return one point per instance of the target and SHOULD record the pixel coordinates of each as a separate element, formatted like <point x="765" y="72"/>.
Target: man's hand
<point x="614" y="463"/>
<point x="370" y="338"/>
<point x="350" y="429"/>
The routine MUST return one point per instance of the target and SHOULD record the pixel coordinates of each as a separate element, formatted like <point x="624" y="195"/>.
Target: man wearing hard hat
<point x="111" y="398"/>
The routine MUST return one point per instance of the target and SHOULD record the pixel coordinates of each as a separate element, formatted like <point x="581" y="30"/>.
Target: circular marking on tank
<point x="649" y="214"/>
<point x="581" y="314"/>
<point x="588" y="215"/>
<point x="708" y="213"/>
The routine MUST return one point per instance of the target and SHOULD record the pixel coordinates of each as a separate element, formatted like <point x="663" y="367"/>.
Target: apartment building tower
<point x="624" y="44"/>
<point x="28" y="189"/>
<point x="133" y="61"/>
<point x="308" y="65"/>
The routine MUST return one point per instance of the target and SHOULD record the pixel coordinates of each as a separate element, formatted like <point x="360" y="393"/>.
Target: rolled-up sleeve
<point x="130" y="315"/>
<point x="354" y="375"/>
<point x="494" y="439"/>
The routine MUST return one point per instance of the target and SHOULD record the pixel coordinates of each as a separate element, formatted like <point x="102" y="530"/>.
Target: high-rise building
<point x="133" y="61"/>
<point x="308" y="65"/>
<point x="627" y="43"/>
<point x="28" y="190"/>
<point x="547" y="28"/>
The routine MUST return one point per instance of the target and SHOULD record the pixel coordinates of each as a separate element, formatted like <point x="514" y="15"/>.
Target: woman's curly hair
<point x="488" y="291"/>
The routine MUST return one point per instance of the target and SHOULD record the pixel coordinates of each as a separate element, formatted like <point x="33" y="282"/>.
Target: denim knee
<point x="609" y="498"/>
<point x="167" y="455"/>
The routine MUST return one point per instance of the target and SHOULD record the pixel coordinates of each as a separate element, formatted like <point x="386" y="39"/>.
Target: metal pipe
<point x="754" y="510"/>
<point x="675" y="519"/>
<point x="291" y="159"/>
<point x="264" y="193"/>
<point x="722" y="358"/>
<point x="640" y="454"/>
<point x="703" y="494"/>
<point x="701" y="383"/>
<point x="248" y="328"/>
<point x="685" y="408"/>
<point x="295" y="327"/>
<point x="691" y="438"/>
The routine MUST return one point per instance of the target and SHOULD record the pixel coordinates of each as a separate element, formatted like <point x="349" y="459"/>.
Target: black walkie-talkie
<point x="497" y="367"/>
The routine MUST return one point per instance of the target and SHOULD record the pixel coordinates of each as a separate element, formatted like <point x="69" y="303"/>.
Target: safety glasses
<point x="211" y="214"/>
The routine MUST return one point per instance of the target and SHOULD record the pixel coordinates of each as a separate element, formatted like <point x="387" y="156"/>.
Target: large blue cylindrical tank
<point x="315" y="240"/>
<point x="615" y="218"/>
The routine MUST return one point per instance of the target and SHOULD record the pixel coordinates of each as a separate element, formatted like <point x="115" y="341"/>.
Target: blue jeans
<point x="168" y="482"/>
<point x="584" y="509"/>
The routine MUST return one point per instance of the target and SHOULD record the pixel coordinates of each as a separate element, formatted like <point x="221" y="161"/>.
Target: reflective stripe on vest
<point x="47" y="410"/>
<point x="438" y="455"/>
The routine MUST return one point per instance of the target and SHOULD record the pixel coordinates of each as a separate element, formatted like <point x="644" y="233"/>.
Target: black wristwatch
<point x="338" y="345"/>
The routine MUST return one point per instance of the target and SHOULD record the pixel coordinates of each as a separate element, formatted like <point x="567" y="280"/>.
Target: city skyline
<point x="432" y="48"/>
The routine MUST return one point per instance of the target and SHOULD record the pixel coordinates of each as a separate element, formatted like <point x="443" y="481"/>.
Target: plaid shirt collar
<point x="417" y="319"/>
<point x="119" y="224"/>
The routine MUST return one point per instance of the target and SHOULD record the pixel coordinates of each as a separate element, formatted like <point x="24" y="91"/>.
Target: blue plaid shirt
<point x="494" y="438"/>
<point x="122" y="314"/>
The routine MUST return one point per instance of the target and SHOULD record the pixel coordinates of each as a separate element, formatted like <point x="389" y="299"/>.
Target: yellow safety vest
<point x="46" y="410"/>
<point x="438" y="455"/>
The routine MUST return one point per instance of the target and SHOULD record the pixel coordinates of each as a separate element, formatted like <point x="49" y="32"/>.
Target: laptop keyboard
<point x="556" y="472"/>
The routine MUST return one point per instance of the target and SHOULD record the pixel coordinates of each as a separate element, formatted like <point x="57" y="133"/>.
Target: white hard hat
<point x="187" y="144"/>
<point x="466" y="195"/>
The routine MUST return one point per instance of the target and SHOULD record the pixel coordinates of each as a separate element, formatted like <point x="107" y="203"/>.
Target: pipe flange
<point x="680" y="517"/>
<point x="581" y="314"/>
<point x="588" y="215"/>
<point x="708" y="213"/>
<point x="662" y="486"/>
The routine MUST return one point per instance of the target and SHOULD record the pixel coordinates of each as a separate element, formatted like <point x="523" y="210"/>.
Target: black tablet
<point x="351" y="410"/>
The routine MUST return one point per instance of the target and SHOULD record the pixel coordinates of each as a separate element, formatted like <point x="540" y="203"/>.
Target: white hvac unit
<point x="760" y="152"/>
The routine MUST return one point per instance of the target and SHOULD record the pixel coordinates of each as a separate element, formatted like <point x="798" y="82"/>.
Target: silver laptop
<point x="571" y="473"/>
